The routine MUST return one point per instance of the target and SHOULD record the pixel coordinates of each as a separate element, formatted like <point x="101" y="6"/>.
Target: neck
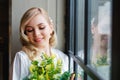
<point x="46" y="50"/>
<point x="99" y="50"/>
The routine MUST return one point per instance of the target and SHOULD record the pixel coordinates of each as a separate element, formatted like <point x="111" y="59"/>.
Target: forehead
<point x="104" y="26"/>
<point x="38" y="19"/>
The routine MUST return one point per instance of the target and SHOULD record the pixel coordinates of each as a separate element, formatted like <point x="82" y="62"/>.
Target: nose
<point x="36" y="32"/>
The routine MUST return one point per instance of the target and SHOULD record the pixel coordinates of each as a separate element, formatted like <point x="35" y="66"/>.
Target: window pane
<point x="80" y="36"/>
<point x="99" y="36"/>
<point x="89" y="78"/>
<point x="80" y="28"/>
<point x="80" y="73"/>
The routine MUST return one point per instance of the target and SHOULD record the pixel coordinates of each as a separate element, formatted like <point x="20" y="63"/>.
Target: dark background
<point x="4" y="39"/>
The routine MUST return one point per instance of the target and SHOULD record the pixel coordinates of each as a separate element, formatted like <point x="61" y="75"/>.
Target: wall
<point x="56" y="10"/>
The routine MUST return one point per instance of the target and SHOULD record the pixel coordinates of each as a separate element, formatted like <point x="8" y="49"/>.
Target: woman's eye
<point x="42" y="27"/>
<point x="29" y="30"/>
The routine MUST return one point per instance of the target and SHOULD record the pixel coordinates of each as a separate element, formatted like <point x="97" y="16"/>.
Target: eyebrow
<point x="37" y="25"/>
<point x="41" y="24"/>
<point x="27" y="26"/>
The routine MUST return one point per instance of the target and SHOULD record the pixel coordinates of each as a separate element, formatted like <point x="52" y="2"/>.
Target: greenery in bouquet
<point x="46" y="69"/>
<point x="101" y="60"/>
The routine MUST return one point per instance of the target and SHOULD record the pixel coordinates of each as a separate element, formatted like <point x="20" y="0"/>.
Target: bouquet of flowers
<point x="47" y="69"/>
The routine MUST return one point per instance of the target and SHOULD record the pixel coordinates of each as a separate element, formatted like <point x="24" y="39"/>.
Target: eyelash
<point x="29" y="30"/>
<point x="42" y="27"/>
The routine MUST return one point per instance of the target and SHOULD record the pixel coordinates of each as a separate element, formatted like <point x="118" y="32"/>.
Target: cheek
<point x="30" y="38"/>
<point x="47" y="32"/>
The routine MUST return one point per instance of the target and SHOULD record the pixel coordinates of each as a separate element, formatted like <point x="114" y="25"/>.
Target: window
<point x="99" y="37"/>
<point x="90" y="39"/>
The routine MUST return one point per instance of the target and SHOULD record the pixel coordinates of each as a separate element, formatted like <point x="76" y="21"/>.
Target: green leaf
<point x="35" y="62"/>
<point x="65" y="76"/>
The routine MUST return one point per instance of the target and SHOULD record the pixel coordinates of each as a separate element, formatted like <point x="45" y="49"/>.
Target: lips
<point x="38" y="39"/>
<point x="104" y="37"/>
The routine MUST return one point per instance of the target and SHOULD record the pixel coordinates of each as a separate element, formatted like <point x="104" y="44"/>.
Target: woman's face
<point x="101" y="39"/>
<point x="38" y="31"/>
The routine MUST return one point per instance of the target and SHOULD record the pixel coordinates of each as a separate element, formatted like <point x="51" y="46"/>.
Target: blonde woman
<point x="37" y="34"/>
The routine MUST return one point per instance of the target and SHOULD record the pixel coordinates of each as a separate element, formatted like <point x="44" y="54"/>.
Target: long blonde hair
<point x="30" y="50"/>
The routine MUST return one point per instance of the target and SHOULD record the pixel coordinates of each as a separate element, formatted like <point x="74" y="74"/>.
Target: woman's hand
<point x="72" y="76"/>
